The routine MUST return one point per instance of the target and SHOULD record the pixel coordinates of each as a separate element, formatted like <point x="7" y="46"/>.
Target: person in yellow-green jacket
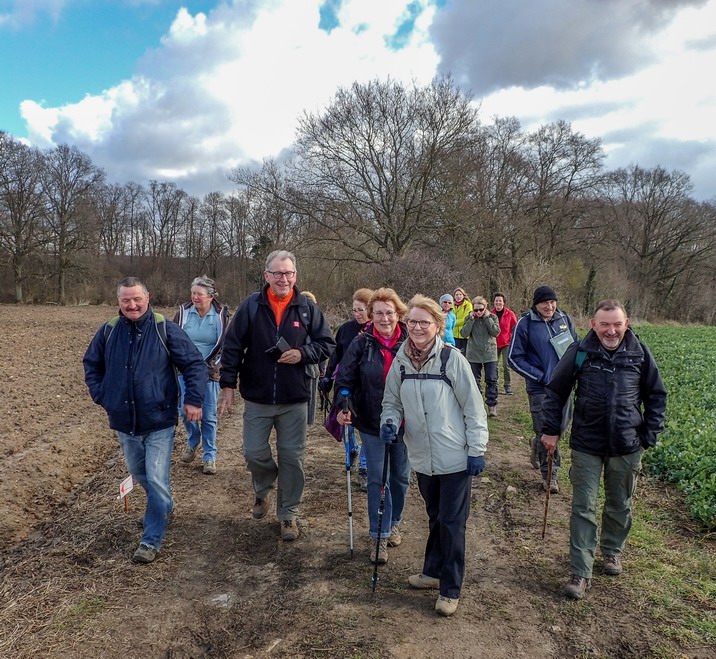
<point x="462" y="308"/>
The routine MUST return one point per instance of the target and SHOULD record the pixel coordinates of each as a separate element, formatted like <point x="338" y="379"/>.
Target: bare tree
<point x="164" y="215"/>
<point x="565" y="175"/>
<point x="22" y="233"/>
<point x="370" y="170"/>
<point x="68" y="178"/>
<point x="658" y="231"/>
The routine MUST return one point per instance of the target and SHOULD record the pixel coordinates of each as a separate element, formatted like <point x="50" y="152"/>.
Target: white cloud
<point x="25" y="12"/>
<point x="227" y="88"/>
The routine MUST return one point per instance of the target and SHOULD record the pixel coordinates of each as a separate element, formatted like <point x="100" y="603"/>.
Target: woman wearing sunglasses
<point x="481" y="330"/>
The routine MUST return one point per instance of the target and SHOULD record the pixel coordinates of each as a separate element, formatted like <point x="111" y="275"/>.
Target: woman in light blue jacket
<point x="430" y="390"/>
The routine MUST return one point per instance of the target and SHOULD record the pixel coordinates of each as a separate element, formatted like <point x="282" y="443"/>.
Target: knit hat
<point x="446" y="298"/>
<point x="542" y="294"/>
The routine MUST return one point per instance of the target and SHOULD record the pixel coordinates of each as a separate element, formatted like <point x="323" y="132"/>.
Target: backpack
<point x="444" y="356"/>
<point x="159" y="324"/>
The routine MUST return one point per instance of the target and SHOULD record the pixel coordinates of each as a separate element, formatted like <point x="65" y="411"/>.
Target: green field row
<point x="686" y="452"/>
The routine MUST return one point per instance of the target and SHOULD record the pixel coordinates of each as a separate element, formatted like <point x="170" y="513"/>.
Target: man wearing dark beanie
<point x="541" y="337"/>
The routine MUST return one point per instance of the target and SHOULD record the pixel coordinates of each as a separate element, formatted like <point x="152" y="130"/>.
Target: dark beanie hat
<point x="542" y="294"/>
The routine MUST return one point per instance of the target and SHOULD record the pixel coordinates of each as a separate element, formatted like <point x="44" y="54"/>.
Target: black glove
<point x="325" y="384"/>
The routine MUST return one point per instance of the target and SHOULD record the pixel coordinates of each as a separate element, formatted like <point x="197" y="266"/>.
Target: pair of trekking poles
<point x="381" y="506"/>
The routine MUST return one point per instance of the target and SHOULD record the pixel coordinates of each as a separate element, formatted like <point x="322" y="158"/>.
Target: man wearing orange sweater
<point x="274" y="335"/>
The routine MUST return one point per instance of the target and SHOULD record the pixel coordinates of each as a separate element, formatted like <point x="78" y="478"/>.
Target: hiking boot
<point x="260" y="508"/>
<point x="144" y="554"/>
<point x="382" y="552"/>
<point x="363" y="480"/>
<point x="423" y="581"/>
<point x="209" y="467"/>
<point x="576" y="587"/>
<point x="612" y="565"/>
<point x="446" y="606"/>
<point x="553" y="488"/>
<point x="188" y="453"/>
<point x="289" y="530"/>
<point x="395" y="538"/>
<point x="534" y="458"/>
<point x="492" y="411"/>
<point x="508" y="390"/>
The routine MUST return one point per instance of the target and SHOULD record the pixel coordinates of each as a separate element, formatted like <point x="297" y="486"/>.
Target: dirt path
<point x="226" y="585"/>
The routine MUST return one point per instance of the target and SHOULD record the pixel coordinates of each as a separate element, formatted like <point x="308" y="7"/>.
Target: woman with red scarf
<point x="362" y="374"/>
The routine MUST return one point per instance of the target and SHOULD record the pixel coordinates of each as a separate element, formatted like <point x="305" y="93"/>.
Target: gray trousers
<point x="502" y="356"/>
<point x="620" y="476"/>
<point x="290" y="424"/>
<point x="537" y="447"/>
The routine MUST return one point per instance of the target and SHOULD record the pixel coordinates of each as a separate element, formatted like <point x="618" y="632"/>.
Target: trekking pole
<point x="346" y="443"/>
<point x="381" y="511"/>
<point x="348" y="486"/>
<point x="546" y="498"/>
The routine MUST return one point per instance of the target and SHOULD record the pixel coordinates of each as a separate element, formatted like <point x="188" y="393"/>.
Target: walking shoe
<point x="209" y="467"/>
<point x="188" y="453"/>
<point x="289" y="530"/>
<point x="553" y="488"/>
<point x="144" y="554"/>
<point x="395" y="538"/>
<point x="423" y="581"/>
<point x="363" y="480"/>
<point x="382" y="551"/>
<point x="260" y="508"/>
<point x="508" y="390"/>
<point x="612" y="565"/>
<point x="446" y="606"/>
<point x="576" y="587"/>
<point x="491" y="411"/>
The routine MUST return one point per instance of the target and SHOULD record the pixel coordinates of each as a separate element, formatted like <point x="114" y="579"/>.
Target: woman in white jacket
<point x="431" y="390"/>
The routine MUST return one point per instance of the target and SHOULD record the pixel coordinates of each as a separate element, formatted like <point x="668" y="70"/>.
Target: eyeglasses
<point x="358" y="310"/>
<point x="479" y="308"/>
<point x="383" y="314"/>
<point x="280" y="275"/>
<point x="422" y="324"/>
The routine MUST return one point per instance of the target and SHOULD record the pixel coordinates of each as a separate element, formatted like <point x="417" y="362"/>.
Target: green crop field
<point x="686" y="452"/>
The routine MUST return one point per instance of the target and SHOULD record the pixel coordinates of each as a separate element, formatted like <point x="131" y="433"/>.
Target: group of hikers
<point x="407" y="395"/>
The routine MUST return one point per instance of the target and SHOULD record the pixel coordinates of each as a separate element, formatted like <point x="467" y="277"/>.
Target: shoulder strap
<point x="579" y="358"/>
<point x="444" y="357"/>
<point x="159" y="323"/>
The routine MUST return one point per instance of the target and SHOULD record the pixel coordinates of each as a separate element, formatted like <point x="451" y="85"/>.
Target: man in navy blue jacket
<point x="130" y="371"/>
<point x="540" y="338"/>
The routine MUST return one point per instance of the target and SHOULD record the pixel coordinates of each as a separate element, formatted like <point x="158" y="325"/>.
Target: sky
<point x="187" y="91"/>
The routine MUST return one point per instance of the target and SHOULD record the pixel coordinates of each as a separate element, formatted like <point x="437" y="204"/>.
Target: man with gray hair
<point x="275" y="335"/>
<point x="619" y="411"/>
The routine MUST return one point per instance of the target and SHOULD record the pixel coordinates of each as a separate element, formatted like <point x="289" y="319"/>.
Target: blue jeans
<point x="396" y="486"/>
<point x="447" y="502"/>
<point x="490" y="380"/>
<point x="203" y="431"/>
<point x="149" y="460"/>
<point x="355" y="446"/>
